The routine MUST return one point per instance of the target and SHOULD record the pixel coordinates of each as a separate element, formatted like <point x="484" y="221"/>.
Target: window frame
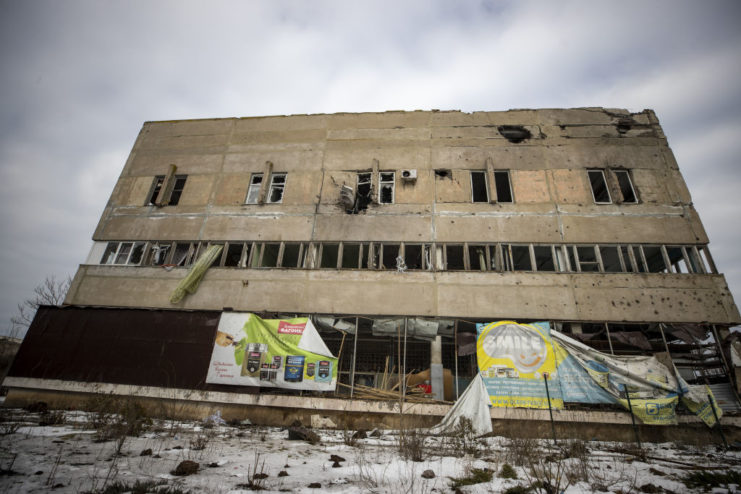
<point x="604" y="181"/>
<point x="626" y="173"/>
<point x="272" y="186"/>
<point x="506" y="174"/>
<point x="254" y="187"/>
<point x="387" y="183"/>
<point x="116" y="253"/>
<point x="482" y="187"/>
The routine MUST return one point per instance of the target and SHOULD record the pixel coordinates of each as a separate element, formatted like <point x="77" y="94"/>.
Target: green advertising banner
<point x="274" y="353"/>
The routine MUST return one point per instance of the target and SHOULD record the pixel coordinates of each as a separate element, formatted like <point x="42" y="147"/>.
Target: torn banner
<point x="290" y="354"/>
<point x="513" y="359"/>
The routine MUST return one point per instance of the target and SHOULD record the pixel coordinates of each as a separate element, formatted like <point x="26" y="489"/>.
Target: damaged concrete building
<point x="396" y="232"/>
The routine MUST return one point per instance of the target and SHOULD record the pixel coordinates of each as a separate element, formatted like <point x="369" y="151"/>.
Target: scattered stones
<point x="336" y="458"/>
<point x="213" y="465"/>
<point x="360" y="434"/>
<point x="186" y="467"/>
<point x="302" y="434"/>
<point x="428" y="474"/>
<point x="336" y="464"/>
<point x="375" y="433"/>
<point x="282" y="473"/>
<point x="286" y="466"/>
<point x="146" y="452"/>
<point x="156" y="456"/>
<point x="315" y="485"/>
<point x="656" y="472"/>
<point x="260" y="476"/>
<point x="177" y="447"/>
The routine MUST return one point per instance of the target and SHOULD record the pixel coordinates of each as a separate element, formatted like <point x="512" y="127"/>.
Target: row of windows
<point x="424" y="257"/>
<point x="387" y="184"/>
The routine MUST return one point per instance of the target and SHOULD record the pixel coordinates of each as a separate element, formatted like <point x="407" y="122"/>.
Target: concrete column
<point x="436" y="368"/>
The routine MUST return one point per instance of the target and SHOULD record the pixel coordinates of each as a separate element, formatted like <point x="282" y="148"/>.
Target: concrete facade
<point x="553" y="204"/>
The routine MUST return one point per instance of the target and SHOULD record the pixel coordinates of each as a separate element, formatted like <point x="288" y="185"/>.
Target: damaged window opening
<point x="477" y="255"/>
<point x="389" y="253"/>
<point x="610" y="259"/>
<point x="626" y="187"/>
<point x="157" y="186"/>
<point x="628" y="254"/>
<point x="413" y="256"/>
<point x="291" y="255"/>
<point x="270" y="255"/>
<point x="677" y="259"/>
<point x="587" y="258"/>
<point x="479" y="192"/>
<point x="184" y="253"/>
<point x="442" y="173"/>
<point x="386" y="188"/>
<point x="454" y="257"/>
<point x="363" y="197"/>
<point x="373" y="255"/>
<point x="544" y="258"/>
<point x="123" y="253"/>
<point x="330" y="253"/>
<point x="654" y="259"/>
<point x="253" y="192"/>
<point x="503" y="186"/>
<point x="159" y="253"/>
<point x="177" y="190"/>
<point x="521" y="258"/>
<point x="277" y="187"/>
<point x="233" y="255"/>
<point x="514" y="133"/>
<point x="350" y="256"/>
<point x="600" y="193"/>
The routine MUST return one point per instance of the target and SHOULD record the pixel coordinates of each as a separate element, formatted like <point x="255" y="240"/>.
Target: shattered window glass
<point x="123" y="253"/>
<point x="253" y="193"/>
<point x="413" y="256"/>
<point x="654" y="259"/>
<point x="136" y="253"/>
<point x="270" y="252"/>
<point x="110" y="253"/>
<point x="350" y="256"/>
<point x="386" y="188"/>
<point x="676" y="259"/>
<point x="389" y="252"/>
<point x="277" y="186"/>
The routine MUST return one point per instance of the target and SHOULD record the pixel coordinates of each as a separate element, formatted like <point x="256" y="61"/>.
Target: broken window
<point x="610" y="259"/>
<point x="270" y="255"/>
<point x="654" y="259"/>
<point x="454" y="260"/>
<point x="544" y="258"/>
<point x="413" y="256"/>
<point x="291" y="255"/>
<point x="372" y="255"/>
<point x="233" y="254"/>
<point x="389" y="253"/>
<point x="630" y="259"/>
<point x="217" y="260"/>
<point x="184" y="253"/>
<point x="175" y="193"/>
<point x="477" y="257"/>
<point x="386" y="188"/>
<point x="587" y="258"/>
<point x="363" y="197"/>
<point x="479" y="191"/>
<point x="330" y="253"/>
<point x="156" y="187"/>
<point x="626" y="187"/>
<point x="277" y="186"/>
<point x="521" y="258"/>
<point x="177" y="190"/>
<point x="503" y="186"/>
<point x="677" y="259"/>
<point x="123" y="253"/>
<point x="253" y="192"/>
<point x="599" y="186"/>
<point x="350" y="256"/>
<point x="159" y="253"/>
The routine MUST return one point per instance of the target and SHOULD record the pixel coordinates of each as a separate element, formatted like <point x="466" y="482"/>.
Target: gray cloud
<point x="80" y="77"/>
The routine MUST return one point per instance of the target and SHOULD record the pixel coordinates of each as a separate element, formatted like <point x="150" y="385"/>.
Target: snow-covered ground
<point x="71" y="458"/>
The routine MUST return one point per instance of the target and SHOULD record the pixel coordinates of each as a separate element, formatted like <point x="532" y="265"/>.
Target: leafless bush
<point x="547" y="475"/>
<point x="463" y="440"/>
<point x="521" y="450"/>
<point x="411" y="445"/>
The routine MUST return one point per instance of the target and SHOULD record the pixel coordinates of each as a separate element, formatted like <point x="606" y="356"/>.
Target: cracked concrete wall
<point x="552" y="202"/>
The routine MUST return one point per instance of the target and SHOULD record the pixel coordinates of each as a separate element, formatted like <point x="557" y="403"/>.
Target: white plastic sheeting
<point x="473" y="405"/>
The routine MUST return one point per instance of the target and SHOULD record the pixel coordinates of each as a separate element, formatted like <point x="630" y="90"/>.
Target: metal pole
<point x="717" y="420"/>
<point x="550" y="410"/>
<point x="354" y="353"/>
<point x="632" y="417"/>
<point x="609" y="340"/>
<point x="455" y="348"/>
<point x="663" y="337"/>
<point x="404" y="362"/>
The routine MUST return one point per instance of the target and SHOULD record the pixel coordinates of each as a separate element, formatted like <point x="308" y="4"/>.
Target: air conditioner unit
<point x="409" y="175"/>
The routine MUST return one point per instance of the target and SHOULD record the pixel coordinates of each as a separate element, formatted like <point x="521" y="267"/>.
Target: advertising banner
<point x="273" y="353"/>
<point x="513" y="359"/>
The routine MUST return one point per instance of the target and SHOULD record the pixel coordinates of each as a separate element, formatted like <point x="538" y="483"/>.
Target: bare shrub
<point x="521" y="450"/>
<point x="411" y="445"/>
<point x="463" y="440"/>
<point x="547" y="475"/>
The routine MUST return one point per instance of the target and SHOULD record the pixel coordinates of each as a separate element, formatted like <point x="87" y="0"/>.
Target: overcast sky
<point x="78" y="79"/>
